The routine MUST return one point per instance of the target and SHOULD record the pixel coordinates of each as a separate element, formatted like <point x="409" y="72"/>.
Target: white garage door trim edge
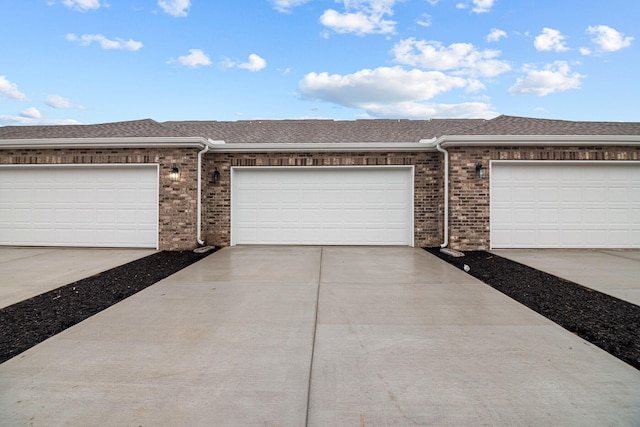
<point x="537" y="162"/>
<point x="155" y="166"/>
<point x="410" y="168"/>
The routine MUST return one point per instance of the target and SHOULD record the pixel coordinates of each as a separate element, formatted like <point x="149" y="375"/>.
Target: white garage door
<point x="565" y="205"/>
<point x="323" y="206"/>
<point x="97" y="206"/>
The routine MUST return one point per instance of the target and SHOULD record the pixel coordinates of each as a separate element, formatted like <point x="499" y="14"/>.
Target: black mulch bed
<point x="32" y="321"/>
<point x="608" y="322"/>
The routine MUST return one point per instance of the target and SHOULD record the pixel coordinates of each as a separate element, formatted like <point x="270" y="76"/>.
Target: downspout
<point x="199" y="219"/>
<point x="446" y="194"/>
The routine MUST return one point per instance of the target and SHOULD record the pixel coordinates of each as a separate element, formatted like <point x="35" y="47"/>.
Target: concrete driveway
<point x="318" y="336"/>
<point x="610" y="271"/>
<point x="27" y="272"/>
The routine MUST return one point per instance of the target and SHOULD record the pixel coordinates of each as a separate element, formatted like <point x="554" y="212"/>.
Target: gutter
<point x="438" y="143"/>
<point x="315" y="147"/>
<point x="118" y="142"/>
<point x="445" y="243"/>
<point x="199" y="217"/>
<point x="538" y="140"/>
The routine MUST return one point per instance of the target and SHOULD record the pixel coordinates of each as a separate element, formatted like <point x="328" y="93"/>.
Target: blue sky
<point x="95" y="61"/>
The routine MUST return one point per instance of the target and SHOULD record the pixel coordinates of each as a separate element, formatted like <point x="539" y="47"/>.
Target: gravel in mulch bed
<point x="32" y="321"/>
<point x="608" y="322"/>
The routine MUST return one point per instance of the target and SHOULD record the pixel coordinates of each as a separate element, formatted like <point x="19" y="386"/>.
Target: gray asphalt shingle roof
<point x="129" y="129"/>
<point x="322" y="131"/>
<point x="511" y="125"/>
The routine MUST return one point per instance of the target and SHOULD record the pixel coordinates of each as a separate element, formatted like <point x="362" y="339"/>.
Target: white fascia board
<point x="120" y="142"/>
<point x="546" y="140"/>
<point x="319" y="147"/>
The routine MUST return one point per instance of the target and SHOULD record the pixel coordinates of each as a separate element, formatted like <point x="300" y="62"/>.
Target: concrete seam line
<point x="313" y="341"/>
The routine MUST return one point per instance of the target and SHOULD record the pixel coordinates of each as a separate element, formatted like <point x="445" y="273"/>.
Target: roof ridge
<point x="483" y="122"/>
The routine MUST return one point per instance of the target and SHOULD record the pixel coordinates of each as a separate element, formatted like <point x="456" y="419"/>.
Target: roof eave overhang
<point x="267" y="147"/>
<point x="120" y="142"/>
<point x="538" y="140"/>
<point x="315" y="147"/>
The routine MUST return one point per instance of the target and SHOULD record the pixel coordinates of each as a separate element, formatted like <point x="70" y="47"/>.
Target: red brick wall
<point x="469" y="210"/>
<point x="177" y="199"/>
<point x="428" y="199"/>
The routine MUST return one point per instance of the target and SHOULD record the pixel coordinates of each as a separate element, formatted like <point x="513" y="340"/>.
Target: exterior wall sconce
<point x="216" y="176"/>
<point x="174" y="174"/>
<point x="481" y="172"/>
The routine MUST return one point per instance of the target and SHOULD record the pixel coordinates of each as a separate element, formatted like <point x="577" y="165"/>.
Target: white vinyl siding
<point x="323" y="206"/>
<point x="565" y="204"/>
<point x="83" y="206"/>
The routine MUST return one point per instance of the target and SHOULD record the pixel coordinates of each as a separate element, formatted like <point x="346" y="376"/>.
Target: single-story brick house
<point x="509" y="182"/>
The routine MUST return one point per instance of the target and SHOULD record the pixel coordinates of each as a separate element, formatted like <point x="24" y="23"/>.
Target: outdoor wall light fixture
<point x="216" y="176"/>
<point x="174" y="174"/>
<point x="481" y="172"/>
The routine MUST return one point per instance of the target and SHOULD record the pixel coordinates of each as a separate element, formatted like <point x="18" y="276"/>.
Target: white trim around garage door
<point x="81" y="205"/>
<point x="565" y="204"/>
<point x="291" y="205"/>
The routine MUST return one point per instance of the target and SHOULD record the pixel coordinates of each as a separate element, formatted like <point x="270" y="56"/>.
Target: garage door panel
<point x="595" y="194"/>
<point x="618" y="195"/>
<point x="570" y="194"/>
<point x="107" y="206"/>
<point x="523" y="195"/>
<point x="597" y="204"/>
<point x="620" y="217"/>
<point x="551" y="235"/>
<point x="501" y="215"/>
<point x="326" y="205"/>
<point x="524" y="216"/>
<point x="548" y="216"/>
<point x="545" y="194"/>
<point x="395" y="217"/>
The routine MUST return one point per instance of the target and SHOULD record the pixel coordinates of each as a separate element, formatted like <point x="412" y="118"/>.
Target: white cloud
<point x="57" y="101"/>
<point x="417" y="110"/>
<point x="105" y="43"/>
<point x="495" y="35"/>
<point x="195" y="58"/>
<point x="550" y="39"/>
<point x="433" y="2"/>
<point x="375" y="88"/>
<point x="392" y="92"/>
<point x="424" y="20"/>
<point x="285" y="6"/>
<point x="176" y="8"/>
<point x="482" y="6"/>
<point x="31" y="113"/>
<point x="361" y="17"/>
<point x="556" y="77"/>
<point x="8" y="120"/>
<point x="608" y="39"/>
<point x="475" y="85"/>
<point x="254" y="63"/>
<point x="10" y="90"/>
<point x="463" y="58"/>
<point x="82" y="5"/>
<point x="585" y="51"/>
